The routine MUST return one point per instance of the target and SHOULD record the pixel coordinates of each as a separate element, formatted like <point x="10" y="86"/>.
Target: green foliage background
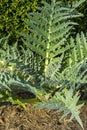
<point x="12" y="15"/>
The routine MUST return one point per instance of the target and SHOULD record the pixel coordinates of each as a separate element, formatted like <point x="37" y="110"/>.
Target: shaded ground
<point x="13" y="117"/>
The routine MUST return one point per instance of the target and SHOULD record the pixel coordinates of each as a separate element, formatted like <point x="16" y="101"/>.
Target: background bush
<point x="12" y="15"/>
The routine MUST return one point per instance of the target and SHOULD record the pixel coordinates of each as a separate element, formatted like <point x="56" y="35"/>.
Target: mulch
<point x="14" y="117"/>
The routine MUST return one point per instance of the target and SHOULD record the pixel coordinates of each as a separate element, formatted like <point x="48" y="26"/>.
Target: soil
<point x="14" y="117"/>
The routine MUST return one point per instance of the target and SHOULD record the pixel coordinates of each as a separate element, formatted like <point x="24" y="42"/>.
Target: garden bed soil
<point x="14" y="117"/>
